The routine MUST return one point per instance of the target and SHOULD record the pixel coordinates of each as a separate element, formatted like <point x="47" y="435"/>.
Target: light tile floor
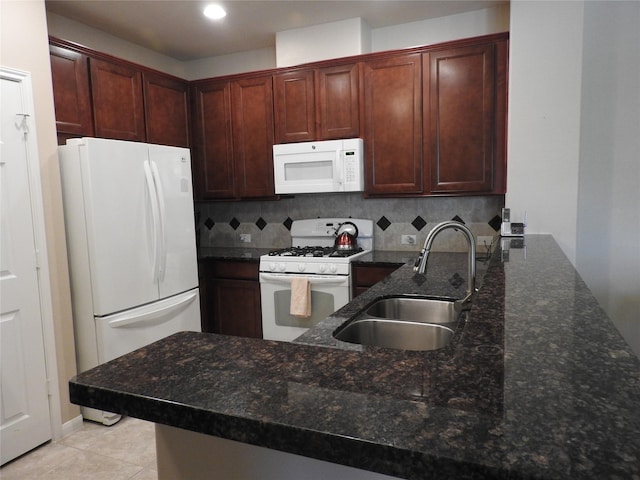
<point x="124" y="451"/>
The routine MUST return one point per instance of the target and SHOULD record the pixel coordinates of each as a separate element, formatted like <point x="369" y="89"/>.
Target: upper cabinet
<point x="98" y="95"/>
<point x="460" y="119"/>
<point x="71" y="93"/>
<point x="317" y="104"/>
<point x="252" y="128"/>
<point x="295" y="107"/>
<point x="116" y="91"/>
<point x="233" y="138"/>
<point x="212" y="142"/>
<point x="435" y="120"/>
<point x="393" y="125"/>
<point x="166" y="103"/>
<point x="338" y="101"/>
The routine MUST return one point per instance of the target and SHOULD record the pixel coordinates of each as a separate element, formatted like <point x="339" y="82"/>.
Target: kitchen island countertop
<point x="537" y="383"/>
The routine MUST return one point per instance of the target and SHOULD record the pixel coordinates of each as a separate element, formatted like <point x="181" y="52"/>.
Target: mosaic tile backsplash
<point x="220" y="224"/>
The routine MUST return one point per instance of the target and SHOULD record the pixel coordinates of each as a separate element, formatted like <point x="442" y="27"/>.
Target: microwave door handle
<point x="340" y="168"/>
<point x="286" y="279"/>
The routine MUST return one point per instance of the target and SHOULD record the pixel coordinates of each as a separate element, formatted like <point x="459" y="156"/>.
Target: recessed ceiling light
<point x="215" y="12"/>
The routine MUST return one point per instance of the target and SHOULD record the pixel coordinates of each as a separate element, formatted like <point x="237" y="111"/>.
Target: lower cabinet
<point x="365" y="276"/>
<point x="231" y="298"/>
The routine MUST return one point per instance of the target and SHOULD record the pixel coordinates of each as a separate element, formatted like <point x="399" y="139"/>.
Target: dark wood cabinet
<point x="393" y="125"/>
<point x="233" y="298"/>
<point x="71" y="93"/>
<point x="364" y="277"/>
<point x="118" y="108"/>
<point x="317" y="104"/>
<point x="460" y="118"/>
<point x="338" y="101"/>
<point x="252" y="131"/>
<point x="166" y="109"/>
<point x="99" y="95"/>
<point x="295" y="113"/>
<point x="213" y="163"/>
<point x="233" y="138"/>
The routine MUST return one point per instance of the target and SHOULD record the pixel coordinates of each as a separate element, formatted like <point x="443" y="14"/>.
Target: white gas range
<point x="312" y="257"/>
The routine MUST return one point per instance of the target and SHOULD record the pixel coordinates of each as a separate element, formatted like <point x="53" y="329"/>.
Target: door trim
<point x="37" y="213"/>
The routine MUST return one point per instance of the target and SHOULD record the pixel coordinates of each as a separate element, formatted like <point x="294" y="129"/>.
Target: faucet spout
<point x="421" y="262"/>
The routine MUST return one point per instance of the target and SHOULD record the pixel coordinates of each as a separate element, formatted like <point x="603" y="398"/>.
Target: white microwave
<point x="314" y="167"/>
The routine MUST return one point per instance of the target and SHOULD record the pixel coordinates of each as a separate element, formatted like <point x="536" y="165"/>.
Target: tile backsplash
<point x="220" y="224"/>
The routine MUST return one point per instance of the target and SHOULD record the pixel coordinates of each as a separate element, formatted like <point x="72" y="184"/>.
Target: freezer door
<point x="178" y="268"/>
<point x="126" y="331"/>
<point x="119" y="224"/>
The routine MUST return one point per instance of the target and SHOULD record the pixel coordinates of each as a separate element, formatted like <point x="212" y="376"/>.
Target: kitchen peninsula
<point x="537" y="383"/>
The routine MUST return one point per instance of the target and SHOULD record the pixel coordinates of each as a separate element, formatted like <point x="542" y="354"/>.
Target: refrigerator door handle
<point x="160" y="314"/>
<point x="153" y="200"/>
<point x="162" y="266"/>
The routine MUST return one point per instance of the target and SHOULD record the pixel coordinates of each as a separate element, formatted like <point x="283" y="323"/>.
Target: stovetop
<point x="314" y="251"/>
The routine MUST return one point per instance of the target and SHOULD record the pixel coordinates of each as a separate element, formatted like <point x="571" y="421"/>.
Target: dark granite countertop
<point x="232" y="253"/>
<point x="537" y="383"/>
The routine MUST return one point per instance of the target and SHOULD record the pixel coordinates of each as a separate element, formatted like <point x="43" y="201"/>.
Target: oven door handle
<point x="337" y="280"/>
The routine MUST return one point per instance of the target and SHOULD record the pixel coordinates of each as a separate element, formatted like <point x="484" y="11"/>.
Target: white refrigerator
<point x="130" y="230"/>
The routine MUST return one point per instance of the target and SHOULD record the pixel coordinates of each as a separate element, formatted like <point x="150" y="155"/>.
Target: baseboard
<point x="72" y="425"/>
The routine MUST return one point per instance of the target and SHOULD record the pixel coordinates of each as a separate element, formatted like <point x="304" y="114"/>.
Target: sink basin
<point x="419" y="309"/>
<point x="404" y="323"/>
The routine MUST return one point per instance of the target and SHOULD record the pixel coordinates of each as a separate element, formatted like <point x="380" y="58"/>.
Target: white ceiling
<point x="179" y="30"/>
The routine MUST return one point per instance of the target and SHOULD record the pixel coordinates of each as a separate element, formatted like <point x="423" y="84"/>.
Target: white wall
<point x="443" y="29"/>
<point x="322" y="42"/>
<point x="608" y="227"/>
<point x="66" y="29"/>
<point x="544" y="117"/>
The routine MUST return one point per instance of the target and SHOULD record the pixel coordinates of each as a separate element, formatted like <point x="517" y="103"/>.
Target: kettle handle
<point x="338" y="232"/>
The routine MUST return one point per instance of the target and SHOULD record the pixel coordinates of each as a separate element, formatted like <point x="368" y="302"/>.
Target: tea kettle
<point x="346" y="236"/>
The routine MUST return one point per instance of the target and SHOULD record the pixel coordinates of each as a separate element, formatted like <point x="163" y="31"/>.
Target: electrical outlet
<point x="408" y="239"/>
<point x="484" y="240"/>
<point x="245" y="237"/>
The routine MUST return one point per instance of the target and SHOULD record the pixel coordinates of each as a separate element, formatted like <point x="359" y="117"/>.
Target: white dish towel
<point x="300" y="297"/>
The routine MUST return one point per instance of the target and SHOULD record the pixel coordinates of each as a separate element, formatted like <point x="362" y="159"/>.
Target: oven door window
<point x="322" y="305"/>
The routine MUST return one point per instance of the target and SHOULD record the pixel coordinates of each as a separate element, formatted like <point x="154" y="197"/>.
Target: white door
<point x="173" y="166"/>
<point x="111" y="181"/>
<point x="25" y="420"/>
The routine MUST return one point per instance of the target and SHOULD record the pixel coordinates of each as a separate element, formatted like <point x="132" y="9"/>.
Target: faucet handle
<point x="416" y="265"/>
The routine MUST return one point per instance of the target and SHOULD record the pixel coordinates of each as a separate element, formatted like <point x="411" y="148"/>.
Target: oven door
<point x="328" y="294"/>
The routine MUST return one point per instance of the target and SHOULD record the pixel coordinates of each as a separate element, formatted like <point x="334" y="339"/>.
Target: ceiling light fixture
<point x="215" y="12"/>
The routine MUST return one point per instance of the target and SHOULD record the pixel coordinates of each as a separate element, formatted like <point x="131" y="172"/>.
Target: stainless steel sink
<point x="403" y="322"/>
<point x="419" y="309"/>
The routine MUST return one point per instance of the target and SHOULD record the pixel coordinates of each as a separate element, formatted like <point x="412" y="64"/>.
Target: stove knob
<point x="302" y="267"/>
<point x="322" y="267"/>
<point x="272" y="266"/>
<point x="333" y="268"/>
<point x="281" y="267"/>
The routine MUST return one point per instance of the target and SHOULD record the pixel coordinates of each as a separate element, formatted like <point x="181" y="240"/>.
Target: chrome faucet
<point x="421" y="262"/>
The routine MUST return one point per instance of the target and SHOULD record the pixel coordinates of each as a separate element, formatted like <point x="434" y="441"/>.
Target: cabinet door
<point x="71" y="95"/>
<point x="212" y="149"/>
<point x="166" y="109"/>
<point x="252" y="127"/>
<point x="459" y="133"/>
<point x="392" y="125"/>
<point x="338" y="102"/>
<point x="236" y="305"/>
<point x="364" y="277"/>
<point x="294" y="107"/>
<point x="118" y="111"/>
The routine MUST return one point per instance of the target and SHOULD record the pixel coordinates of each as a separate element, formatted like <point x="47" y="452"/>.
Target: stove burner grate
<point x="313" y="251"/>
